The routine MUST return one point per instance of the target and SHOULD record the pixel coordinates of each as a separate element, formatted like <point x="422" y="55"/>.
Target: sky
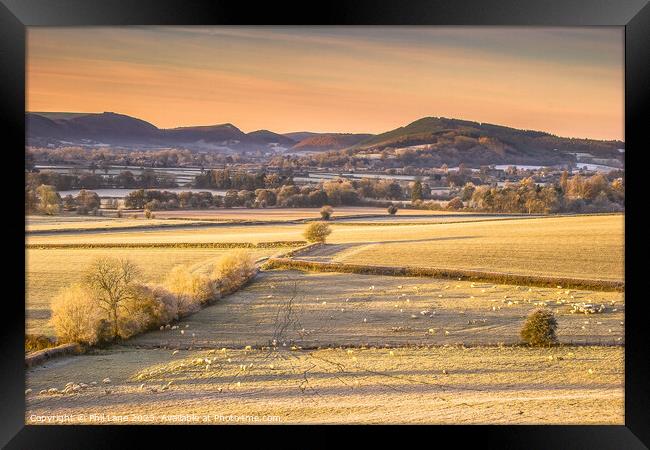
<point x="371" y="79"/>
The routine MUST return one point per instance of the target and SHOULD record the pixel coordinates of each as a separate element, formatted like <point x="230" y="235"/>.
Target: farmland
<point x="53" y="224"/>
<point x="329" y="365"/>
<point x="482" y="386"/>
<point x="583" y="247"/>
<point x="316" y="347"/>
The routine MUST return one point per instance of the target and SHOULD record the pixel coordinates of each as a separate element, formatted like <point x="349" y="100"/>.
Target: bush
<point x="35" y="342"/>
<point x="76" y="317"/>
<point x="146" y="308"/>
<point x="326" y="212"/>
<point x="317" y="232"/>
<point x="190" y="288"/>
<point x="539" y="329"/>
<point x="455" y="203"/>
<point x="392" y="210"/>
<point x="233" y="270"/>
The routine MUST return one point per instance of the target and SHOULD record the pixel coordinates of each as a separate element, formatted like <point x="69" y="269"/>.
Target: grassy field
<point x="49" y="271"/>
<point x="348" y="348"/>
<point x="582" y="247"/>
<point x="563" y="385"/>
<point x="42" y="224"/>
<point x="332" y="309"/>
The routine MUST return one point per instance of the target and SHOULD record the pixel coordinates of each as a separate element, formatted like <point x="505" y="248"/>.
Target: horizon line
<point x="327" y="132"/>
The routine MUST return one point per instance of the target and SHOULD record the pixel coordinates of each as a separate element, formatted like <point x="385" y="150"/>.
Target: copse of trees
<point x="103" y="158"/>
<point x="240" y="180"/>
<point x="574" y="194"/>
<point x="148" y="178"/>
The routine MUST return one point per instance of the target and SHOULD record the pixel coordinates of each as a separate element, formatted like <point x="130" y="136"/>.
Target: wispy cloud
<point x="565" y="80"/>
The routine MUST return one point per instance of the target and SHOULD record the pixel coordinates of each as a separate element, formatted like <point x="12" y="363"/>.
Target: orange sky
<point x="568" y="81"/>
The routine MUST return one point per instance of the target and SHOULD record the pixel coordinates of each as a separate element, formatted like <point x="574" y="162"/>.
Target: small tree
<point x="392" y="210"/>
<point x="416" y="193"/>
<point x="326" y="212"/>
<point x="76" y="317"/>
<point x="539" y="328"/>
<point x="49" y="200"/>
<point x="111" y="282"/>
<point x="317" y="232"/>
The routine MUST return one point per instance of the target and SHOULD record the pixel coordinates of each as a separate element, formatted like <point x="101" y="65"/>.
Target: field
<point x="582" y="247"/>
<point x="482" y="386"/>
<point x="310" y="347"/>
<point x="329" y="365"/>
<point x="53" y="224"/>
<point x="49" y="271"/>
<point x="331" y="309"/>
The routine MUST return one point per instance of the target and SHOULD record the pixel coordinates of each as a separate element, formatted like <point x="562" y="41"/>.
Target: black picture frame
<point x="634" y="15"/>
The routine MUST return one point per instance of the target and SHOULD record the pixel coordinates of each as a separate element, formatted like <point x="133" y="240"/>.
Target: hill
<point x="121" y="130"/>
<point x="427" y="142"/>
<point x="330" y="141"/>
<point x="269" y="137"/>
<point x="300" y="135"/>
<point x="453" y="140"/>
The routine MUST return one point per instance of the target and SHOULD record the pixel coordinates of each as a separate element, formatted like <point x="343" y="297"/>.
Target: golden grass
<point x="49" y="271"/>
<point x="330" y="308"/>
<point x="580" y="247"/>
<point x="79" y="223"/>
<point x="565" y="385"/>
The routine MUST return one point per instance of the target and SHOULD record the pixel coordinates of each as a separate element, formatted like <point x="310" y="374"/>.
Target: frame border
<point x="634" y="15"/>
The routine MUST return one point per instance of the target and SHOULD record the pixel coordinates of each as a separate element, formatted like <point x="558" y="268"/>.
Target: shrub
<point x="455" y="203"/>
<point x="146" y="308"/>
<point x="392" y="210"/>
<point x="326" y="212"/>
<point x="317" y="232"/>
<point x="190" y="288"/>
<point x="76" y="317"/>
<point x="35" y="342"/>
<point x="539" y="328"/>
<point x="233" y="270"/>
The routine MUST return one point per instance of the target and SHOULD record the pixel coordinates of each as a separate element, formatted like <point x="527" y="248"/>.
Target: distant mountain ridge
<point x="438" y="138"/>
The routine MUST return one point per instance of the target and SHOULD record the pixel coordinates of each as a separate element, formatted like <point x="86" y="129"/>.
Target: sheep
<point x="106" y="380"/>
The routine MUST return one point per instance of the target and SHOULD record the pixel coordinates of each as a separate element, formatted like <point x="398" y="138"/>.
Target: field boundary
<point x="39" y="357"/>
<point x="271" y="244"/>
<point x="461" y="274"/>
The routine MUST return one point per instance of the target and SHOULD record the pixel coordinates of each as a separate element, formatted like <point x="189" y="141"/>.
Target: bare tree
<point x="112" y="281"/>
